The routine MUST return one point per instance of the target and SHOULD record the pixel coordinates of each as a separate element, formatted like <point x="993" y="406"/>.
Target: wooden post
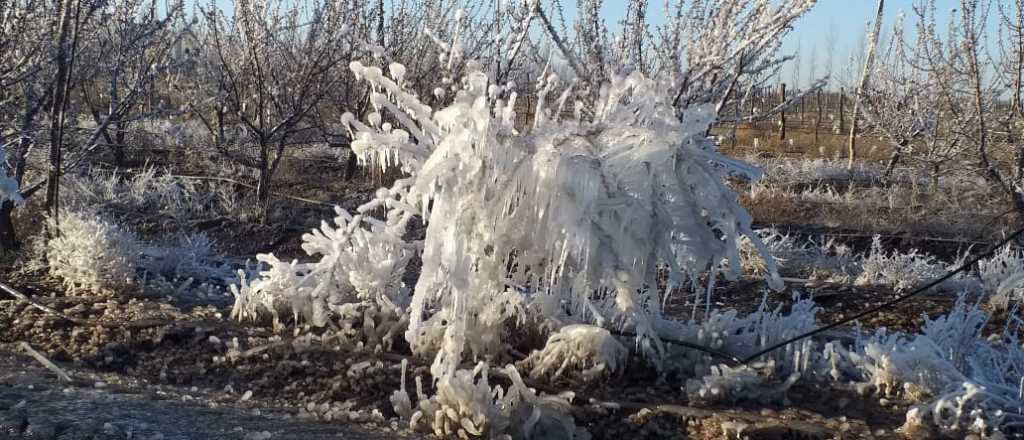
<point x="803" y="109"/>
<point x="782" y="114"/>
<point x="842" y="109"/>
<point x="817" y="117"/>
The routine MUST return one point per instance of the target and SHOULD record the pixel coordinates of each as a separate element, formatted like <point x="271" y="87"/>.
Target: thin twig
<point x="137" y="324"/>
<point x="64" y="377"/>
<point x="246" y="185"/>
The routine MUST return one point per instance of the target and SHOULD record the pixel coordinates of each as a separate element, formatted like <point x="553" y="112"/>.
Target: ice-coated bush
<point x="590" y="351"/>
<point x="90" y="252"/>
<point x="965" y="383"/>
<point x="577" y="222"/>
<point x="184" y="262"/>
<point x="962" y="380"/>
<point x="570" y="223"/>
<point x="149" y="192"/>
<point x="466" y="405"/>
<point x="906" y="270"/>
<point x="1002" y="277"/>
<point x="817" y="258"/>
<point x="728" y="332"/>
<point x="356" y="265"/>
<point x="577" y="217"/>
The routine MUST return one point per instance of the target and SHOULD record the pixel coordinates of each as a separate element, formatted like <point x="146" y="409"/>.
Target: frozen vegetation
<point x="546" y="202"/>
<point x="572" y="241"/>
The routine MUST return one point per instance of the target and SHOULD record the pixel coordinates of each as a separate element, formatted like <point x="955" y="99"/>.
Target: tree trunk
<point x="119" y="135"/>
<point x="842" y="109"/>
<point x="803" y="108"/>
<point x="782" y="114"/>
<point x="8" y="238"/>
<point x="263" y="193"/>
<point x="351" y="165"/>
<point x="380" y="23"/>
<point x="57" y="108"/>
<point x="894" y="159"/>
<point x="115" y="104"/>
<point x="865" y="76"/>
<point x="817" y="117"/>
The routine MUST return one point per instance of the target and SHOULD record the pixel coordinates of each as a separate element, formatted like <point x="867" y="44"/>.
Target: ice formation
<point x="574" y="218"/>
<point x="91" y="253"/>
<point x="569" y="224"/>
<point x="576" y="227"/>
<point x="8" y="186"/>
<point x="466" y="405"/>
<point x="587" y="349"/>
<point x="361" y="261"/>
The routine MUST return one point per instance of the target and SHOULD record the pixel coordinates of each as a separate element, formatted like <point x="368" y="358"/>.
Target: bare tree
<point x="265" y="70"/>
<point x="53" y="81"/>
<point x="904" y="106"/>
<point x="1011" y="70"/>
<point x="131" y="51"/>
<point x="25" y="44"/>
<point x="865" y="77"/>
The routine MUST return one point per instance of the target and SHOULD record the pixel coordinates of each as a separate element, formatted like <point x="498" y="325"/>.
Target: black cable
<point x="714" y="353"/>
<point x="888" y="304"/>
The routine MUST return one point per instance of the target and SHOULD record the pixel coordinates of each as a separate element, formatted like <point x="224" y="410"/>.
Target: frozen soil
<point x="110" y="406"/>
<point x="181" y="369"/>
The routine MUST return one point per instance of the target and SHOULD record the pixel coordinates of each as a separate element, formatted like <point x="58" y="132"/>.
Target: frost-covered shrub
<point x="962" y="381"/>
<point x="725" y="384"/>
<point x="574" y="208"/>
<point x="965" y="383"/>
<point x="1002" y="277"/>
<point x="817" y="258"/>
<point x="585" y="349"/>
<point x="90" y="252"/>
<point x="466" y="405"/>
<point x="570" y="223"/>
<point x="185" y="262"/>
<point x="905" y="271"/>
<point x="783" y="248"/>
<point x="728" y="332"/>
<point x="356" y="265"/>
<point x="578" y="221"/>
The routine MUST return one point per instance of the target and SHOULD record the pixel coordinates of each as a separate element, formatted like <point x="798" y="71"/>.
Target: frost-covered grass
<point x="155" y="195"/>
<point x="824" y="192"/>
<point x="92" y="253"/>
<point x="999" y="278"/>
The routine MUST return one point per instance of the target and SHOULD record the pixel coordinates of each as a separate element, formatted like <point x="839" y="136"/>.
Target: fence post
<point x="842" y="109"/>
<point x="782" y="114"/>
